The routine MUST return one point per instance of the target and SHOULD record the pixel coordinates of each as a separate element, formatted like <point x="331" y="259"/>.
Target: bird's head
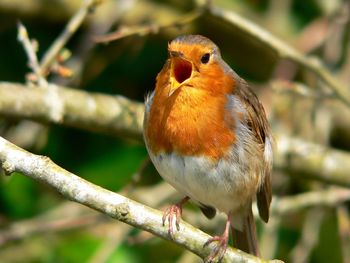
<point x="194" y="60"/>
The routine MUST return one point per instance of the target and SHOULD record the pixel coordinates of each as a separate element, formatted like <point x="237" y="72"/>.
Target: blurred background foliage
<point x="128" y="67"/>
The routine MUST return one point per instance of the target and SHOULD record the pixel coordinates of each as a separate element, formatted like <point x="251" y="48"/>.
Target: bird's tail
<point x="246" y="239"/>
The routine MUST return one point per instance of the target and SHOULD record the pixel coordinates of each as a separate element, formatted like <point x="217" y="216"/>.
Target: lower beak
<point x="181" y="71"/>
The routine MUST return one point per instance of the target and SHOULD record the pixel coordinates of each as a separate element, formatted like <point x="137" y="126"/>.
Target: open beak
<point x="181" y="71"/>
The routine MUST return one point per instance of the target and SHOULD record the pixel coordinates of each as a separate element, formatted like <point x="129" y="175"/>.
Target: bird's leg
<point x="174" y="210"/>
<point x="220" y="248"/>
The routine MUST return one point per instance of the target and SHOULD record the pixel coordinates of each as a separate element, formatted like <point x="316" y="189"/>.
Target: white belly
<point x="222" y="185"/>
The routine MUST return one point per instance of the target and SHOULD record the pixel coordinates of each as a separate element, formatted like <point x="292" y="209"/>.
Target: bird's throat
<point x="181" y="72"/>
<point x="181" y="69"/>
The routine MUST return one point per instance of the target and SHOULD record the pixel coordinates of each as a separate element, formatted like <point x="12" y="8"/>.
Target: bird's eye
<point x="205" y="58"/>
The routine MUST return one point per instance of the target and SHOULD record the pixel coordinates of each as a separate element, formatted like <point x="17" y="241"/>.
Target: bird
<point x="208" y="136"/>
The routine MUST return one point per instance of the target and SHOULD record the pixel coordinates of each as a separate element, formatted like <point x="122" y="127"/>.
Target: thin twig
<point x="269" y="239"/>
<point x="300" y="89"/>
<point x="116" y="235"/>
<point x="20" y="230"/>
<point x="15" y="159"/>
<point x="284" y="50"/>
<point x="31" y="54"/>
<point x="66" y="216"/>
<point x="330" y="197"/>
<point x="142" y="30"/>
<point x="71" y="27"/>
<point x="313" y="161"/>
<point x="69" y="215"/>
<point x="309" y="236"/>
<point x="344" y="231"/>
<point x="342" y="28"/>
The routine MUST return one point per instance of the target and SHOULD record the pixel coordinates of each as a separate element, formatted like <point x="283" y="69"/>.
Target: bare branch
<point x="36" y="226"/>
<point x="314" y="161"/>
<point x="31" y="54"/>
<point x="69" y="215"/>
<point x="298" y="88"/>
<point x="71" y="27"/>
<point x="269" y="239"/>
<point x="117" y="115"/>
<point x="15" y="159"/>
<point x="53" y="11"/>
<point x="309" y="236"/>
<point x="291" y="204"/>
<point x="344" y="231"/>
<point x="111" y="242"/>
<point x="114" y="115"/>
<point x="284" y="50"/>
<point x="126" y="31"/>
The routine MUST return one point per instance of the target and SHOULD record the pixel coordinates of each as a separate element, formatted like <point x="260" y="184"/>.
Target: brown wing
<point x="260" y="127"/>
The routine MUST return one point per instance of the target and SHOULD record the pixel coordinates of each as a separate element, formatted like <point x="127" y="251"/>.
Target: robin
<point x="208" y="136"/>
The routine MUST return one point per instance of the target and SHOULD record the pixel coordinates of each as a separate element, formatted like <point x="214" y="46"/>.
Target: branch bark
<point x="290" y="204"/>
<point x="116" y="115"/>
<point x="313" y="161"/>
<point x="283" y="50"/>
<point x="71" y="27"/>
<point x="113" y="115"/>
<point x="41" y="168"/>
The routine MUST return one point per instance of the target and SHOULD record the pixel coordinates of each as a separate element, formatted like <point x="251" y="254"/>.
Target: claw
<point x="171" y="212"/>
<point x="219" y="250"/>
<point x="165" y="214"/>
<point x="178" y="217"/>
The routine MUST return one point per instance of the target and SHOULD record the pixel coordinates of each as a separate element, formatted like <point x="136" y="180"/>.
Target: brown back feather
<point x="260" y="127"/>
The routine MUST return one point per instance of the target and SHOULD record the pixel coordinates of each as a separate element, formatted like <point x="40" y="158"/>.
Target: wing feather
<point x="260" y="127"/>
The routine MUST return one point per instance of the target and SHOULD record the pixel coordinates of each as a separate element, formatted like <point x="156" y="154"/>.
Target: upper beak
<point x="181" y="70"/>
<point x="174" y="54"/>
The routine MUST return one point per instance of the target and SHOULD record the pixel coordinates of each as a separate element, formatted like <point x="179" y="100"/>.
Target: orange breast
<point x="192" y="121"/>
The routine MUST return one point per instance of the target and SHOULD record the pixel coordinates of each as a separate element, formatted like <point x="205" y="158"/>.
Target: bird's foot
<point x="219" y="250"/>
<point x="172" y="213"/>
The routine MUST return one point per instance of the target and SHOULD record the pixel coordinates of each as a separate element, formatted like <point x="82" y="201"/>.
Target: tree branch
<point x="43" y="225"/>
<point x="126" y="31"/>
<point x="41" y="168"/>
<point x="55" y="11"/>
<point x="30" y="50"/>
<point x="309" y="236"/>
<point x="290" y="204"/>
<point x="312" y="161"/>
<point x="116" y="115"/>
<point x="70" y="215"/>
<point x="284" y="50"/>
<point x="73" y="24"/>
